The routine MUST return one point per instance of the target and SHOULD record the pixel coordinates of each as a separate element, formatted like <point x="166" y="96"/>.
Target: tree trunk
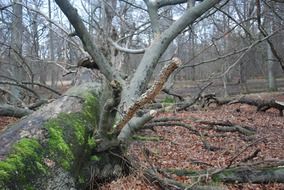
<point x="51" y="148"/>
<point x="51" y="49"/>
<point x="16" y="48"/>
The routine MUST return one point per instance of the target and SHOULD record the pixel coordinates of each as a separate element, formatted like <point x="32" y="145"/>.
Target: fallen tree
<point x="79" y="140"/>
<point x="44" y="149"/>
<point x="264" y="173"/>
<point x="206" y="100"/>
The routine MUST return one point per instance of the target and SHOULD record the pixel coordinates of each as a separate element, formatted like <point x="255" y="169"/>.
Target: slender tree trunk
<point x="270" y="69"/>
<point x="243" y="80"/>
<point x="191" y="3"/>
<point x="51" y="49"/>
<point x="16" y="44"/>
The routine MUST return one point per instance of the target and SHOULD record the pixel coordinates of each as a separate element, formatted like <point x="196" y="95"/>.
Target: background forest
<point x="37" y="45"/>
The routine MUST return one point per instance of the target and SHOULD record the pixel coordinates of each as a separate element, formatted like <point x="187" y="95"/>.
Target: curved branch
<point x="126" y="50"/>
<point x="43" y="86"/>
<point x="11" y="94"/>
<point x="162" y="3"/>
<point x="22" y="86"/>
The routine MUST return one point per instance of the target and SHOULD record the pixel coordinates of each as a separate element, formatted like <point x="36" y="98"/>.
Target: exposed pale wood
<point x="151" y="93"/>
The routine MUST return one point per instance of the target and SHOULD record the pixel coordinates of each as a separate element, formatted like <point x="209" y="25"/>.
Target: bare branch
<point x="54" y="23"/>
<point x="11" y="94"/>
<point x="154" y="17"/>
<point x="135" y="124"/>
<point x="162" y="3"/>
<point x="7" y="110"/>
<point x="22" y="86"/>
<point x="126" y="50"/>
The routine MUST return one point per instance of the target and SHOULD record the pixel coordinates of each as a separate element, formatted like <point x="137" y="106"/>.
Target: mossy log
<point x="49" y="148"/>
<point x="251" y="175"/>
<point x="268" y="173"/>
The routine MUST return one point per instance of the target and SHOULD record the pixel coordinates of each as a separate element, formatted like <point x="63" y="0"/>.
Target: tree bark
<point x="48" y="148"/>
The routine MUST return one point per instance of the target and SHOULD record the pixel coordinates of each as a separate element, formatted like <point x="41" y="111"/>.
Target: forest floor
<point x="178" y="147"/>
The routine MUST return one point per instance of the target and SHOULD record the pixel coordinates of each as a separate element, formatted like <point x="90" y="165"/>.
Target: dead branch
<point x="12" y="111"/>
<point x="168" y="183"/>
<point x="43" y="86"/>
<point x="227" y="126"/>
<point x="243" y="150"/>
<point x="21" y="86"/>
<point x="241" y="174"/>
<point x="252" y="156"/>
<point x="207" y="145"/>
<point x="151" y="93"/>
<point x="262" y="105"/>
<point x="166" y="119"/>
<point x="195" y="99"/>
<point x="169" y="92"/>
<point x="169" y="124"/>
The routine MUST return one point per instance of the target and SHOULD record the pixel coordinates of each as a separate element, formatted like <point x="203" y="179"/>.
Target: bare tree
<point x="114" y="117"/>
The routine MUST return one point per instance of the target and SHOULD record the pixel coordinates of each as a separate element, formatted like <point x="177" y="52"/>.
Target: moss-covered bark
<point x="64" y="141"/>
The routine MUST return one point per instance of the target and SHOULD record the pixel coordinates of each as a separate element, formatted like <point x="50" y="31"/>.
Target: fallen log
<point x="48" y="148"/>
<point x="251" y="175"/>
<point x="12" y="111"/>
<point x="264" y="174"/>
<point x="262" y="105"/>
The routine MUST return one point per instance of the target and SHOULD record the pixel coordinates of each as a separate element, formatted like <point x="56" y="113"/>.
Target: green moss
<point x="90" y="109"/>
<point x="219" y="176"/>
<point x="68" y="137"/>
<point x="91" y="142"/>
<point x="95" y="158"/>
<point x="19" y="168"/>
<point x="68" y="131"/>
<point x="57" y="146"/>
<point x="168" y="100"/>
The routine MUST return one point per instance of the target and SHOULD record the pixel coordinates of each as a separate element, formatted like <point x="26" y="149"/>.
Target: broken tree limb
<point x="150" y="94"/>
<point x="12" y="111"/>
<point x="265" y="173"/>
<point x="262" y="105"/>
<point x="184" y="106"/>
<point x="251" y="175"/>
<point x="227" y="126"/>
<point x="170" y="124"/>
<point x="135" y="124"/>
<point x="168" y="183"/>
<point x="243" y="150"/>
<point x="169" y="92"/>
